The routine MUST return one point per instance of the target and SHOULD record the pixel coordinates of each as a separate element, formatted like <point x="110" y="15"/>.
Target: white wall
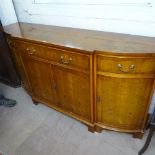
<point x="124" y="16"/>
<point x="7" y="12"/>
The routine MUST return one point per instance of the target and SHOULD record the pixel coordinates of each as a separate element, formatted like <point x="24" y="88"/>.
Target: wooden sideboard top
<point x="88" y="40"/>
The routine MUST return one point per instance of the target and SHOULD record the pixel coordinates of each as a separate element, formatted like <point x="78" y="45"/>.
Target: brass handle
<point x="31" y="51"/>
<point x="131" y="68"/>
<point x="66" y="62"/>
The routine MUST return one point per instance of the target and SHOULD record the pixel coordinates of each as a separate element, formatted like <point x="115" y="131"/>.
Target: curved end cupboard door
<point x="122" y="92"/>
<point x="122" y="102"/>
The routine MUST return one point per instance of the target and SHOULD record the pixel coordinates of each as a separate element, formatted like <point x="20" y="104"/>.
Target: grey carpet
<point x="28" y="129"/>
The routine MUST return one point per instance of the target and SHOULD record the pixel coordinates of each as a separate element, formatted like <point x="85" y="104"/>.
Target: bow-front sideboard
<point x="105" y="80"/>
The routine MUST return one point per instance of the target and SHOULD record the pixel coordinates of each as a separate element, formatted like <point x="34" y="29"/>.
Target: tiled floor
<point x="38" y="130"/>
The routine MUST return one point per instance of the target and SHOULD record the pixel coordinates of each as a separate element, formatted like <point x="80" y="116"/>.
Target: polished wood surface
<point x="39" y="77"/>
<point x="87" y="40"/>
<point x="19" y="65"/>
<point x="77" y="60"/>
<point x="119" y="106"/>
<point x="105" y="80"/>
<point x="115" y="64"/>
<point x="62" y="87"/>
<point x="122" y="95"/>
<point x="55" y="81"/>
<point x="73" y="91"/>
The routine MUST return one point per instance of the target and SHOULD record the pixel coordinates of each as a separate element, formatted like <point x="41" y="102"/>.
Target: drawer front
<point x="125" y="65"/>
<point x="77" y="60"/>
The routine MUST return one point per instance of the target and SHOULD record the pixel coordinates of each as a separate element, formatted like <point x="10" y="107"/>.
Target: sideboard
<point x="103" y="79"/>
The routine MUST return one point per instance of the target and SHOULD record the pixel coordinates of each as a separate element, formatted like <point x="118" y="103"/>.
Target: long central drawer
<point x="66" y="57"/>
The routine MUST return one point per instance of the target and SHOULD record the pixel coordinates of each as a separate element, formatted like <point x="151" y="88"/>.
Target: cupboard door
<point x="73" y="91"/>
<point x="122" y="102"/>
<point x="40" y="78"/>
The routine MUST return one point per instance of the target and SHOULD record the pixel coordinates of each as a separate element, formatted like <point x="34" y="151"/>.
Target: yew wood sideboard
<point x="105" y="80"/>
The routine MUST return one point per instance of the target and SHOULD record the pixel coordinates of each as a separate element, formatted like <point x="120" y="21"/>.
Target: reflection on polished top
<point x="83" y="39"/>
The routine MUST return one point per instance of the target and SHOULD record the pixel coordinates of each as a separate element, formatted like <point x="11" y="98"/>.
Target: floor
<point x="28" y="129"/>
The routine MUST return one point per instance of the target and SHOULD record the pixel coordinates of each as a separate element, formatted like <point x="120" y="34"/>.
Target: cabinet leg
<point x="138" y="135"/>
<point x="98" y="129"/>
<point x="91" y="129"/>
<point x="35" y="102"/>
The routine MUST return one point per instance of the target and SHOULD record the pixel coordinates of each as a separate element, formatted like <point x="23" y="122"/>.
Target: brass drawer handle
<point x="31" y="51"/>
<point x="131" y="68"/>
<point x="66" y="62"/>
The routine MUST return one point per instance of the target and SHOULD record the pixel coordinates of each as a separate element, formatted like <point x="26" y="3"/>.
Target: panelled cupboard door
<point x="122" y="102"/>
<point x="40" y="78"/>
<point x="73" y="91"/>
